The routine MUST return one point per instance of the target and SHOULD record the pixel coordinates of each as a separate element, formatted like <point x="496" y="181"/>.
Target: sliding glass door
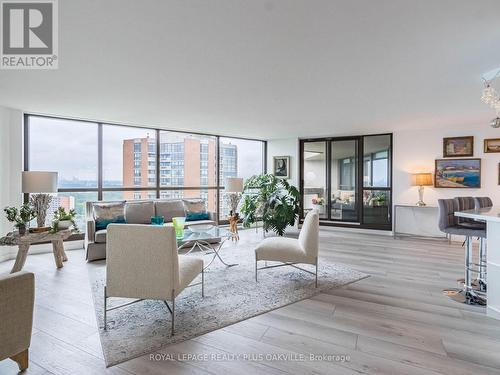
<point x="315" y="193"/>
<point x="377" y="180"/>
<point x="348" y="180"/>
<point x="344" y="180"/>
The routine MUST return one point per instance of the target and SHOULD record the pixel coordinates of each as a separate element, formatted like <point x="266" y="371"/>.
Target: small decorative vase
<point x="22" y="230"/>
<point x="179" y="227"/>
<point x="157" y="220"/>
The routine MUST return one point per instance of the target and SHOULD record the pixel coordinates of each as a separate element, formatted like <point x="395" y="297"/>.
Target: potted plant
<point x="64" y="220"/>
<point x="21" y="217"/>
<point x="273" y="200"/>
<point x="318" y="204"/>
<point x="378" y="200"/>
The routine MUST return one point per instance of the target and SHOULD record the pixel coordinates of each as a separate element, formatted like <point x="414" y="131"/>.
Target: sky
<point x="70" y="148"/>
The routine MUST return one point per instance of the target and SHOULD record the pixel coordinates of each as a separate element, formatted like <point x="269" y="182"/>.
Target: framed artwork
<point x="281" y="166"/>
<point x="457" y="173"/>
<point x="455" y="147"/>
<point x="492" y="145"/>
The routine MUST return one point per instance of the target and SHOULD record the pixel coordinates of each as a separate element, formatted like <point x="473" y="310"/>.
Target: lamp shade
<point x="234" y="185"/>
<point x="39" y="182"/>
<point x="421" y="179"/>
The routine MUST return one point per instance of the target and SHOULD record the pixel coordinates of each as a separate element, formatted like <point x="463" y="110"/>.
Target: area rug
<point x="231" y="295"/>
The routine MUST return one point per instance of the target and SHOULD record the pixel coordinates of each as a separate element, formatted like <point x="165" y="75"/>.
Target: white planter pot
<point x="64" y="224"/>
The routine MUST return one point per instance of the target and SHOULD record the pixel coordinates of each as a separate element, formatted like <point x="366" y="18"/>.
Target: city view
<point x="188" y="163"/>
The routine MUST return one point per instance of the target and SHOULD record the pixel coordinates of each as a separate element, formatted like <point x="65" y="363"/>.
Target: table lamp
<point x="421" y="180"/>
<point x="234" y="188"/>
<point x="40" y="183"/>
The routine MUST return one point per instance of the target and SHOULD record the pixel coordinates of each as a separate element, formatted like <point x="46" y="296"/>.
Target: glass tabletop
<point x="214" y="233"/>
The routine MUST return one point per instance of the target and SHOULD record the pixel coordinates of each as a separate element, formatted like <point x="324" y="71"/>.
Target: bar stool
<point x="469" y="203"/>
<point x="449" y="224"/>
<point x="482" y="202"/>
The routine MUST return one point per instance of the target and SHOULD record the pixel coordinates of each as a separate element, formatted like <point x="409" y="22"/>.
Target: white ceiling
<point x="268" y="69"/>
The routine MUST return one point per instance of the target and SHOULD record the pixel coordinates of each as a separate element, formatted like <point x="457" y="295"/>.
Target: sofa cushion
<point x="100" y="236"/>
<point x="195" y="209"/>
<point x="170" y="209"/>
<point x="139" y="212"/>
<point x="107" y="213"/>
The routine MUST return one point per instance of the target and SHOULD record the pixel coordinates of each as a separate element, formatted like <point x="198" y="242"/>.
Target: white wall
<point x="416" y="151"/>
<point x="285" y="147"/>
<point x="11" y="165"/>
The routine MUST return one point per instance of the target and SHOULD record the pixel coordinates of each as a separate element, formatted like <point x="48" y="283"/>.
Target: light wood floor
<point x="394" y="322"/>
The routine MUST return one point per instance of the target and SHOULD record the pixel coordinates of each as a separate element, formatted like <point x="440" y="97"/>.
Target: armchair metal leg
<point x="202" y="282"/>
<point x="256" y="271"/>
<point x="105" y="307"/>
<point x="316" y="281"/>
<point x="173" y="311"/>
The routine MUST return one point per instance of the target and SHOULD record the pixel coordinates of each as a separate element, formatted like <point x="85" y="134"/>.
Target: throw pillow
<point x="107" y="213"/>
<point x="196" y="209"/>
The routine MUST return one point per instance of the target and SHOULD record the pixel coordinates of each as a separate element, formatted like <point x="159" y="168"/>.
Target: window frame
<point x="218" y="187"/>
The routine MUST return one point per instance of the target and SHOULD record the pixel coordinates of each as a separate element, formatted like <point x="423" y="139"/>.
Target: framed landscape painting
<point x="458" y="147"/>
<point x="457" y="173"/>
<point x="492" y="145"/>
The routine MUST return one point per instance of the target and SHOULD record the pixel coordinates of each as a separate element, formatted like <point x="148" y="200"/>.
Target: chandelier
<point x="491" y="97"/>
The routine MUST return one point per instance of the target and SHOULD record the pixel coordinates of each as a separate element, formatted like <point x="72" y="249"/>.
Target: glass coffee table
<point x="204" y="241"/>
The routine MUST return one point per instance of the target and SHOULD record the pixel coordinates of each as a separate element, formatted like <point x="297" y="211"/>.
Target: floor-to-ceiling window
<point x="100" y="161"/>
<point x="348" y="179"/>
<point x="128" y="162"/>
<point x="71" y="149"/>
<point x="188" y="167"/>
<point x="238" y="158"/>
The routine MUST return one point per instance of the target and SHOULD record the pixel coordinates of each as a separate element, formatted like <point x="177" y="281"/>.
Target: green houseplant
<point x="21" y="217"/>
<point x="273" y="200"/>
<point x="64" y="220"/>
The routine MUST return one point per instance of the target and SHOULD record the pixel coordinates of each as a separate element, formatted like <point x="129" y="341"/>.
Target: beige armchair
<point x="142" y="262"/>
<point x="17" y="296"/>
<point x="290" y="251"/>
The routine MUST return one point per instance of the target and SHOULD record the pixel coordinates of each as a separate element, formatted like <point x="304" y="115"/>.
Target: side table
<point x="416" y="221"/>
<point x="24" y="242"/>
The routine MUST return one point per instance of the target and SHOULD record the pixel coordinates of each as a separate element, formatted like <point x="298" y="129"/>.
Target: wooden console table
<point x="24" y="242"/>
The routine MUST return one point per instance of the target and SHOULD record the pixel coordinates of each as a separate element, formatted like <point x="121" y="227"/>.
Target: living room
<point x="249" y="187"/>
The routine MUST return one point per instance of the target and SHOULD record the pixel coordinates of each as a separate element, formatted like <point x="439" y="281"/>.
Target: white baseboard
<point x="355" y="230"/>
<point x="10" y="252"/>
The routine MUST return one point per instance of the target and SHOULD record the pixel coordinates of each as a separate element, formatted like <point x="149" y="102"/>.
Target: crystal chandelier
<point x="492" y="98"/>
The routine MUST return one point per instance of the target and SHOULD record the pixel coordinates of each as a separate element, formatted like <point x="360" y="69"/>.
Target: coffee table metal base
<point x="207" y="248"/>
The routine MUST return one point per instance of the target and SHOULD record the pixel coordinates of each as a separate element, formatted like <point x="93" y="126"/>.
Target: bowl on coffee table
<point x="200" y="228"/>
